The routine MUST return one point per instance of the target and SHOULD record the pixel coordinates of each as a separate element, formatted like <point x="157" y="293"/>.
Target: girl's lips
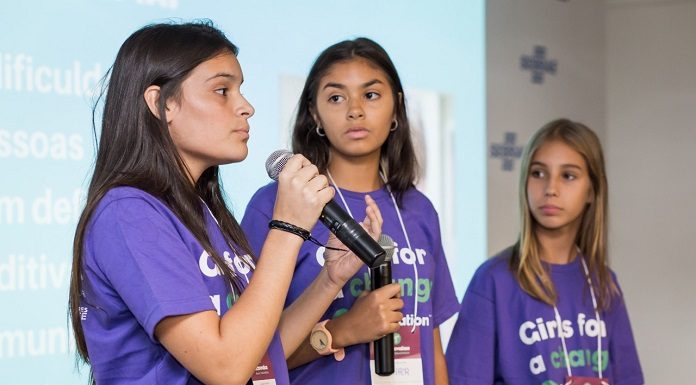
<point x="550" y="209"/>
<point x="243" y="133"/>
<point x="357" y="132"/>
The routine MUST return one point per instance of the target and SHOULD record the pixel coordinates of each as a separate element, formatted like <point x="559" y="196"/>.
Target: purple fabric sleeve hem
<point x="175" y="308"/>
<point x="445" y="314"/>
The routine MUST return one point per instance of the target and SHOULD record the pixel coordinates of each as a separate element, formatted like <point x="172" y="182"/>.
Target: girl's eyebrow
<point x="342" y="86"/>
<point x="227" y="75"/>
<point x="566" y="165"/>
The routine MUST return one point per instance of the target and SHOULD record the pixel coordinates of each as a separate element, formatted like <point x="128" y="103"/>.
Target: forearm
<point x="268" y="287"/>
<point x="441" y="375"/>
<point x="298" y="319"/>
<point x="227" y="349"/>
<point x="304" y="353"/>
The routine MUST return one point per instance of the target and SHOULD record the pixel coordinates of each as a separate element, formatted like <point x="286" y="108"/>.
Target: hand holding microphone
<point x="302" y="192"/>
<point x="298" y="172"/>
<point x="341" y="264"/>
<point x="335" y="218"/>
<point x="382" y="276"/>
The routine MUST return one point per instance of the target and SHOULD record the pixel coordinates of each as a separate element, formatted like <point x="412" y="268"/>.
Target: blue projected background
<point x="52" y="55"/>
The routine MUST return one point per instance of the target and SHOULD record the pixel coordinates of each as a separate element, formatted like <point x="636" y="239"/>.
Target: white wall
<point x="573" y="35"/>
<point x="651" y="155"/>
<point x="627" y="68"/>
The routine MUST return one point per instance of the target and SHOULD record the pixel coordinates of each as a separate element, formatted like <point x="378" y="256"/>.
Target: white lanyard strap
<point x="599" y="326"/>
<point x="403" y="229"/>
<point x="340" y="195"/>
<point x="408" y="243"/>
<point x="559" y="323"/>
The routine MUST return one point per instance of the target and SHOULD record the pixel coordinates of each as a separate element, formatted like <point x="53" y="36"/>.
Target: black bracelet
<point x="290" y="228"/>
<point x="299" y="231"/>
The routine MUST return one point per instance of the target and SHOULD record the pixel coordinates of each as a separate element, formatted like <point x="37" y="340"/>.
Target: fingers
<point x="391" y="315"/>
<point x="372" y="210"/>
<point x="308" y="174"/>
<point x="295" y="163"/>
<point x="300" y="169"/>
<point x="302" y="193"/>
<point x="389" y="291"/>
<point x="373" y="219"/>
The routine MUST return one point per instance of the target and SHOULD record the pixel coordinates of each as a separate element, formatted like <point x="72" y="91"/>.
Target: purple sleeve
<point x="142" y="256"/>
<point x="623" y="355"/>
<point x="445" y="301"/>
<point x="471" y="349"/>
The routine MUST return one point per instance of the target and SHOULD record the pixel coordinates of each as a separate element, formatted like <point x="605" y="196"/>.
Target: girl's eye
<point x="222" y="91"/>
<point x="537" y="173"/>
<point x="335" y="98"/>
<point x="570" y="176"/>
<point x="372" y="95"/>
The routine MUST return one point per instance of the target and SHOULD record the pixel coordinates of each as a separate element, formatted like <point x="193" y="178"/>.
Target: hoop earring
<point x="394" y="126"/>
<point x="320" y="131"/>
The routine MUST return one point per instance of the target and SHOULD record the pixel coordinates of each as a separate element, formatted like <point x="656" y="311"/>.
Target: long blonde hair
<point x="526" y="263"/>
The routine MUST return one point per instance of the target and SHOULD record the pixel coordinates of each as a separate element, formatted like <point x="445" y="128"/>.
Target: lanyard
<point x="599" y="325"/>
<point x="403" y="229"/>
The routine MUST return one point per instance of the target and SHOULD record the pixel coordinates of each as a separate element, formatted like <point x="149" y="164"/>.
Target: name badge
<point x="408" y="364"/>
<point x="263" y="375"/>
<point x="575" y="380"/>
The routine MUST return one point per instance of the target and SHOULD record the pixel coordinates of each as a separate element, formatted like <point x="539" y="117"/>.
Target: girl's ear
<point x="152" y="95"/>
<point x="590" y="195"/>
<point x="152" y="98"/>
<point x="315" y="116"/>
<point x="399" y="102"/>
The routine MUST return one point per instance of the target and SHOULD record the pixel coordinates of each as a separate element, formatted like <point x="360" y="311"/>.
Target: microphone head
<point x="276" y="161"/>
<point x="387" y="243"/>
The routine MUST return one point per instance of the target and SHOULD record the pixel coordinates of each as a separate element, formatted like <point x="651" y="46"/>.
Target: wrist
<point x="341" y="334"/>
<point x="329" y="283"/>
<point x="321" y="340"/>
<point x="288" y="227"/>
<point x="287" y="240"/>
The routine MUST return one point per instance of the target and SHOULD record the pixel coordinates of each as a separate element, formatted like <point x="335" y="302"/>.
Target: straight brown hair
<point x="592" y="236"/>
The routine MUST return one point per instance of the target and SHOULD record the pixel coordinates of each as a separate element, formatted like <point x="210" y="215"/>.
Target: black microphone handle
<point x="383" y="347"/>
<point x="352" y="235"/>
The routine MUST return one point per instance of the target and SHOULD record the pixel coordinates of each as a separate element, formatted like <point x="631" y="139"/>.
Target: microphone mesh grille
<point x="388" y="245"/>
<point x="276" y="161"/>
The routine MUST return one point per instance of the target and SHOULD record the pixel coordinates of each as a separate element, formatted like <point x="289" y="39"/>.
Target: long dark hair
<point x="135" y="148"/>
<point x="398" y="158"/>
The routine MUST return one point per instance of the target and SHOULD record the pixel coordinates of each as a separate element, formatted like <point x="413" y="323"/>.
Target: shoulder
<point x="129" y="207"/>
<point x="259" y="210"/>
<point x="264" y="198"/>
<point x="497" y="265"/>
<point x="415" y="196"/>
<point x="125" y="198"/>
<point x="416" y="202"/>
<point x="492" y="274"/>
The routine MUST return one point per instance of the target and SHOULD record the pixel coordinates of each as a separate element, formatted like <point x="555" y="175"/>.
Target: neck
<point x="557" y="246"/>
<point x="359" y="174"/>
<point x="193" y="169"/>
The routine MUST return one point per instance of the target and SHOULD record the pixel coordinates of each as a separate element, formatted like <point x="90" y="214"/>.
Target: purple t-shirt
<point x="141" y="264"/>
<point x="504" y="336"/>
<point x="434" y="290"/>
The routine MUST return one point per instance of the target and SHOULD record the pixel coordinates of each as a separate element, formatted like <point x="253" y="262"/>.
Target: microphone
<point x="382" y="276"/>
<point x="337" y="220"/>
